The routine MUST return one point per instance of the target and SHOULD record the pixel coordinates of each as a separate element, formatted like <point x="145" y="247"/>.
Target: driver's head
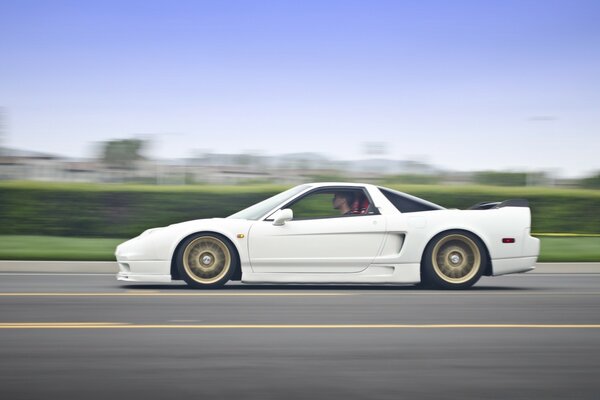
<point x="342" y="200"/>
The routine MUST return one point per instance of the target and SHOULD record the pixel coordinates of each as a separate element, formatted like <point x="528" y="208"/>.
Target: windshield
<point x="260" y="209"/>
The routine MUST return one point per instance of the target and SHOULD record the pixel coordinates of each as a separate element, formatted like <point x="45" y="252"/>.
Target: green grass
<point x="580" y="249"/>
<point x="554" y="249"/>
<point x="57" y="248"/>
<point x="500" y="191"/>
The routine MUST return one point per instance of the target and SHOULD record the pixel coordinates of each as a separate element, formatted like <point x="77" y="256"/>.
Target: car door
<point x="318" y="239"/>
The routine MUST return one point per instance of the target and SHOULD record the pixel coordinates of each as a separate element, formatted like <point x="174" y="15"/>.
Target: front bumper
<point x="128" y="277"/>
<point x="144" y="271"/>
<point x="133" y="267"/>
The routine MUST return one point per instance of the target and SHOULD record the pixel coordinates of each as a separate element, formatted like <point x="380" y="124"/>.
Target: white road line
<point x="117" y="325"/>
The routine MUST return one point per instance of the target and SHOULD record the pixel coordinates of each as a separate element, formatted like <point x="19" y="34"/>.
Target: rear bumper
<point x="513" y="265"/>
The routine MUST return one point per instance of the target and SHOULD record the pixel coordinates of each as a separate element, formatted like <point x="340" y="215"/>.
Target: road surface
<point x="73" y="336"/>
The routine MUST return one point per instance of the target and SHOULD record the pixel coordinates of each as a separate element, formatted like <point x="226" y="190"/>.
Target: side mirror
<point x="281" y="216"/>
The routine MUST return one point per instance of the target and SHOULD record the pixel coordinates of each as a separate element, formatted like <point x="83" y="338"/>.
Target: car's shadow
<point x="310" y="287"/>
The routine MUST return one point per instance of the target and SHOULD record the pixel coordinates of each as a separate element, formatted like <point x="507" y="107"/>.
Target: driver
<point x="342" y="202"/>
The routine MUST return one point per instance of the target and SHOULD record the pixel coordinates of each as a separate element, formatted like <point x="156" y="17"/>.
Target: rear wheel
<point x="453" y="260"/>
<point x="206" y="260"/>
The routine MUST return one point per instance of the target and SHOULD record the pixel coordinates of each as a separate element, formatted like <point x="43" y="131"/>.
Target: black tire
<point x="206" y="260"/>
<point x="453" y="260"/>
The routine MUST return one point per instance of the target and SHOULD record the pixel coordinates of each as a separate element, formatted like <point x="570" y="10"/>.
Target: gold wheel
<point x="456" y="258"/>
<point x="206" y="260"/>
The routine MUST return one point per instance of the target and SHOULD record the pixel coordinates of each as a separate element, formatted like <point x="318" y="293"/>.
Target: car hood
<point x="159" y="243"/>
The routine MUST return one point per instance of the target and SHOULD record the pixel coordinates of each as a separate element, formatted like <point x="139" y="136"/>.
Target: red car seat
<point x="360" y="205"/>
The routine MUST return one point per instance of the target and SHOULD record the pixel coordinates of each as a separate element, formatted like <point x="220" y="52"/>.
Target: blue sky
<point x="461" y="84"/>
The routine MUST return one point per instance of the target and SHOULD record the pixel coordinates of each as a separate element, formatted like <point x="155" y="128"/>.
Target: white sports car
<point x="338" y="233"/>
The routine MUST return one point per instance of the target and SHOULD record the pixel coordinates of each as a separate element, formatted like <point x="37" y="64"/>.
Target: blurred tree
<point x="122" y="154"/>
<point x="411" y="179"/>
<point x="592" y="182"/>
<point x="495" y="178"/>
<point x="328" y="177"/>
<point x="244" y="159"/>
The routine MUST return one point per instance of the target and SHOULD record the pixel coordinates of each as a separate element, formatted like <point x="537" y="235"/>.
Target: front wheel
<point x="453" y="260"/>
<point x="206" y="260"/>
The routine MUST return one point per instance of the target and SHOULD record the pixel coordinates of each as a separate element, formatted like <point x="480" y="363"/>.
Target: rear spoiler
<point x="487" y="205"/>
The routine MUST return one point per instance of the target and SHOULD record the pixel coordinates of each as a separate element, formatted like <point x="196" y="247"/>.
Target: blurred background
<point x="117" y="116"/>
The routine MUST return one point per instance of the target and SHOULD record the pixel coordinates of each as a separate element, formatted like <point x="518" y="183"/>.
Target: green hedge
<point x="123" y="211"/>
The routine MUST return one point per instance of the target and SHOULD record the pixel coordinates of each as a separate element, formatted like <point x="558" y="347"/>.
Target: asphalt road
<point x="525" y="336"/>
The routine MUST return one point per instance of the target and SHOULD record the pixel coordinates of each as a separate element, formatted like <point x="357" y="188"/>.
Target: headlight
<point x="149" y="231"/>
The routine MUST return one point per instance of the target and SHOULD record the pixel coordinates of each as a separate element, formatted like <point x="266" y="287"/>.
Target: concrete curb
<point x="567" y="268"/>
<point x="80" y="267"/>
<point x="103" y="267"/>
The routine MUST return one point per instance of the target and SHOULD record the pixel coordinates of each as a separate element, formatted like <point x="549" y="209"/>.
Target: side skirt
<point x="375" y="273"/>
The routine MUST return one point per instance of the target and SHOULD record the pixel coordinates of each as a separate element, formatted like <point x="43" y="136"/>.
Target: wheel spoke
<point x="206" y="259"/>
<point x="456" y="258"/>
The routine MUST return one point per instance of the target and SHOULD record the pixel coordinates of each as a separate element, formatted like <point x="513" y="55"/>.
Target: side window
<point x="330" y="202"/>
<point x="315" y="205"/>
<point x="408" y="205"/>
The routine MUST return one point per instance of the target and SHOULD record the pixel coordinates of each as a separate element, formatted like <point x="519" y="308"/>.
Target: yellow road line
<point x="144" y="291"/>
<point x="61" y="325"/>
<point x="507" y="293"/>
